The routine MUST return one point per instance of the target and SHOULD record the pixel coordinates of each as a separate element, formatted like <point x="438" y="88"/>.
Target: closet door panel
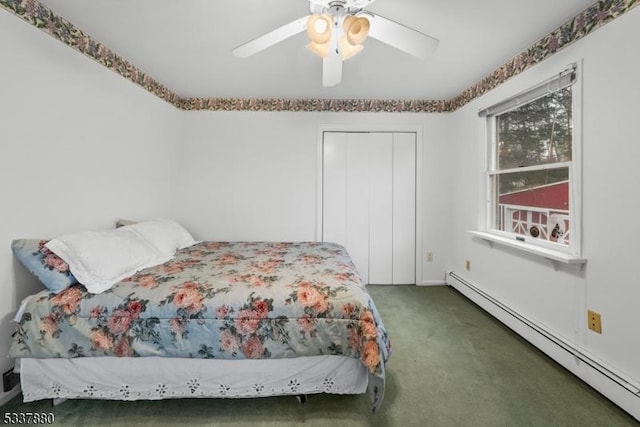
<point x="404" y="212"/>
<point x="334" y="184"/>
<point x="381" y="208"/>
<point x="357" y="202"/>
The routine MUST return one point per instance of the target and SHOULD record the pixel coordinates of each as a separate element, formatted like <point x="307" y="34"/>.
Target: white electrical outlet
<point x="429" y="257"/>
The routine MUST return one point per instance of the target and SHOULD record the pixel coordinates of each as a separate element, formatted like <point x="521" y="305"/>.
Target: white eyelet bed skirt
<point x="153" y="378"/>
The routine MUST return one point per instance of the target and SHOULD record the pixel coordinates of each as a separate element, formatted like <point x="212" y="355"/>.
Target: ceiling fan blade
<point x="269" y="39"/>
<point x="331" y="70"/>
<point x="401" y="37"/>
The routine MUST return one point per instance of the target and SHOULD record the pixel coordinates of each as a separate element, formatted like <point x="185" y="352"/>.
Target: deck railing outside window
<point x="545" y="224"/>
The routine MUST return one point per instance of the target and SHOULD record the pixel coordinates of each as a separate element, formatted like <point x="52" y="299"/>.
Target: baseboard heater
<point x="612" y="385"/>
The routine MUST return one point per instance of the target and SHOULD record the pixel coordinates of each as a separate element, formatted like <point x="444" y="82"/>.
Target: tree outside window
<point x="531" y="168"/>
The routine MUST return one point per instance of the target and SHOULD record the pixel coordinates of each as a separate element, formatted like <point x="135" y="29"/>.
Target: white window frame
<point x="571" y="253"/>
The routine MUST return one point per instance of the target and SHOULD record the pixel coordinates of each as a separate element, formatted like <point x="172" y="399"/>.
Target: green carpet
<point x="452" y="365"/>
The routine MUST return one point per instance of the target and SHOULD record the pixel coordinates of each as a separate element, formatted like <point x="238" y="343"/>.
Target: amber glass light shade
<point x="319" y="28"/>
<point x="356" y="29"/>
<point x="320" y="49"/>
<point x="347" y="50"/>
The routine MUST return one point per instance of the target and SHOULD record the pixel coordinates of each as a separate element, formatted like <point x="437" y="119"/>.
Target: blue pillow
<point x="49" y="268"/>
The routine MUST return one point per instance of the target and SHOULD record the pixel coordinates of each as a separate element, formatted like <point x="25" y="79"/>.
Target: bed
<point x="216" y="319"/>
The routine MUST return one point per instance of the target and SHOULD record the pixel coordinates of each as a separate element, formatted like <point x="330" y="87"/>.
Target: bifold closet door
<point x="380" y="208"/>
<point x="345" y="199"/>
<point x="369" y="202"/>
<point x="404" y="208"/>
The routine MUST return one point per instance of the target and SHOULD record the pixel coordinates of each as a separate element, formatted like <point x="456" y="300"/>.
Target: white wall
<point x="608" y="284"/>
<point x="79" y="147"/>
<point x="253" y="175"/>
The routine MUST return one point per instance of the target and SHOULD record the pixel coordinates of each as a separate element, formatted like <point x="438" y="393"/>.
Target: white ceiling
<point x="186" y="44"/>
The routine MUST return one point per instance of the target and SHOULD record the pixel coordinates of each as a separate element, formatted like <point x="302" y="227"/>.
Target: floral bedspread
<point x="226" y="300"/>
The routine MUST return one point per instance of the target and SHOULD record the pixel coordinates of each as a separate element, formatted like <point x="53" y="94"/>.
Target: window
<point x="532" y="172"/>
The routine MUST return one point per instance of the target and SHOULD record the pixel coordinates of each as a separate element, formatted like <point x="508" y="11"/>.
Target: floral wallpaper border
<point x="592" y="18"/>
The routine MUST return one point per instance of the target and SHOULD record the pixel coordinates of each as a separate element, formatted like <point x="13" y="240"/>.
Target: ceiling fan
<point x="337" y="30"/>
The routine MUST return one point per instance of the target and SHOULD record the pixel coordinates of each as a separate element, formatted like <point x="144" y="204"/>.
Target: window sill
<point x="550" y="254"/>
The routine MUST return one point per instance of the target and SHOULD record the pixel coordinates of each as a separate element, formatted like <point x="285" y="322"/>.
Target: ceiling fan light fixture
<point x="337" y="30"/>
<point x="319" y="28"/>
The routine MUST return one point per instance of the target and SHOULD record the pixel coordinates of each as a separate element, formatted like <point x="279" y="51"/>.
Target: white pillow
<point x="164" y="235"/>
<point x="99" y="259"/>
